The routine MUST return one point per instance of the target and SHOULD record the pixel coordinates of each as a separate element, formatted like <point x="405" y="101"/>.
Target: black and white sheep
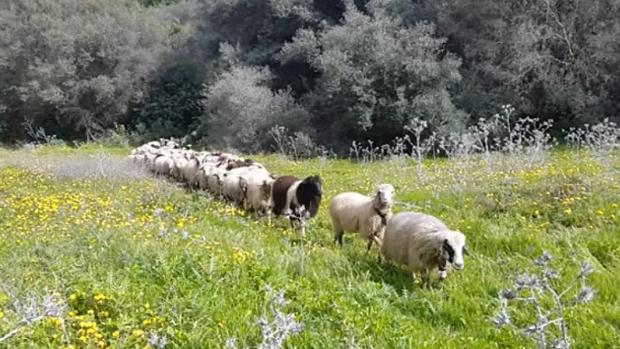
<point x="296" y="199"/>
<point x="368" y="216"/>
<point x="422" y="243"/>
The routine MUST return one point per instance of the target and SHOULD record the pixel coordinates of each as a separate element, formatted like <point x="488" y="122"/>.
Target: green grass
<point x="134" y="256"/>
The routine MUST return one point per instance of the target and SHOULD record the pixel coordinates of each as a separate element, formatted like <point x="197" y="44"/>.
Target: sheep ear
<point x="465" y="251"/>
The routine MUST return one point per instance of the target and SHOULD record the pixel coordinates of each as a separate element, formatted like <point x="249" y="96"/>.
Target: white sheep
<point x="186" y="169"/>
<point x="202" y="177"/>
<point x="423" y="243"/>
<point x="257" y="188"/>
<point x="232" y="189"/>
<point x="354" y="212"/>
<point x="215" y="178"/>
<point x="163" y="164"/>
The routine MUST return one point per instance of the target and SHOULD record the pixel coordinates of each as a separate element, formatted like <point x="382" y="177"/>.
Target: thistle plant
<point x="355" y="151"/>
<point x="417" y="128"/>
<point x="30" y="310"/>
<point x="542" y="294"/>
<point x="157" y="341"/>
<point x="275" y="327"/>
<point x="600" y="139"/>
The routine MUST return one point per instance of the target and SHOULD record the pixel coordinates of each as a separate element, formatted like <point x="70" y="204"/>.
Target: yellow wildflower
<point x="137" y="333"/>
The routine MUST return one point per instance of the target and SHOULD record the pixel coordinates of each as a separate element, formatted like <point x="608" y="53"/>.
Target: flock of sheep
<point x="421" y="242"/>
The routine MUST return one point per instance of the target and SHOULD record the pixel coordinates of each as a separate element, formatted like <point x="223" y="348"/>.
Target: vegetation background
<point x="224" y="72"/>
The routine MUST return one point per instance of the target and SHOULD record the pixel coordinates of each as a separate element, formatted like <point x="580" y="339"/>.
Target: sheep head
<point x="452" y="250"/>
<point x="384" y="197"/>
<point x="309" y="194"/>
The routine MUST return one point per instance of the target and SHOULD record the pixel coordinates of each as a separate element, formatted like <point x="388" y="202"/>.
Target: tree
<point x="550" y="58"/>
<point x="73" y="66"/>
<point x="240" y="108"/>
<point x="376" y="74"/>
<point x="172" y="103"/>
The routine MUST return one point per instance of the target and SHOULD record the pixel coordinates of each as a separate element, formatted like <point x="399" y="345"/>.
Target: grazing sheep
<point x="296" y="199"/>
<point x="215" y="180"/>
<point x="169" y="143"/>
<point x="354" y="212"/>
<point x="258" y="193"/>
<point x="149" y="161"/>
<point x="235" y="182"/>
<point x="209" y="158"/>
<point x="238" y="163"/>
<point x="224" y="159"/>
<point x="163" y="164"/>
<point x="422" y="243"/>
<point x="202" y="177"/>
<point x="242" y="181"/>
<point x="232" y="189"/>
<point x="187" y="170"/>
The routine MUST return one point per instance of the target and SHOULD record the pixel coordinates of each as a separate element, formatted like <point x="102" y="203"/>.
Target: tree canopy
<point x="224" y="73"/>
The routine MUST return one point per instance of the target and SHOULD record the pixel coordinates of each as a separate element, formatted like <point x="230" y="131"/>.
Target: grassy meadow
<point x="132" y="256"/>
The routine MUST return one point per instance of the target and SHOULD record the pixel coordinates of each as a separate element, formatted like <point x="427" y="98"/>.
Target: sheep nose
<point x="458" y="266"/>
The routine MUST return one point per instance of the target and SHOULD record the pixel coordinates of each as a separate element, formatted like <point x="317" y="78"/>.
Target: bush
<point x="173" y="103"/>
<point x="73" y="66"/>
<point x="240" y="108"/>
<point x="376" y="75"/>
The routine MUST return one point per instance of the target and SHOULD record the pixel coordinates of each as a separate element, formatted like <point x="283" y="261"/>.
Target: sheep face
<point x="385" y="195"/>
<point x="452" y="250"/>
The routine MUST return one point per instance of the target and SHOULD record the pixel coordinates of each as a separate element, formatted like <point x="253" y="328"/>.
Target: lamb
<point x="422" y="243"/>
<point x="359" y="213"/>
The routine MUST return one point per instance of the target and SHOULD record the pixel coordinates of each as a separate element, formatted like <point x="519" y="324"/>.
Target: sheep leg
<point x="339" y="239"/>
<point x="269" y="217"/>
<point x="379" y="243"/>
<point x="377" y="240"/>
<point x="298" y="226"/>
<point x="338" y="234"/>
<point x="302" y="229"/>
<point x="443" y="274"/>
<point x="369" y="245"/>
<point x="292" y="221"/>
<point x="425" y="278"/>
